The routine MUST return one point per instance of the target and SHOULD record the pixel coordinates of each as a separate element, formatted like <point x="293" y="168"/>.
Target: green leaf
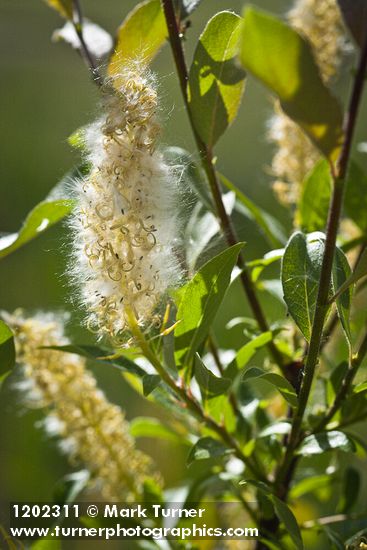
<point x="200" y="299"/>
<point x="355" y="17"/>
<point x="269" y="226"/>
<point x="286" y="516"/>
<point x="140" y="36"/>
<point x="301" y="269"/>
<point x="7" y="351"/>
<point x="205" y="448"/>
<point x="216" y="83"/>
<point x="259" y="265"/>
<point x="340" y="274"/>
<point x="247" y="352"/>
<point x="283" y="512"/>
<point x="326" y="441"/>
<point x="279" y="428"/>
<point x="350" y="490"/>
<point x="282" y="60"/>
<point x="151" y="427"/>
<point x="150" y="383"/>
<point x="96" y="353"/>
<point x="210" y="385"/>
<point x="280" y="383"/>
<point x="355" y="204"/>
<point x="313" y="207"/>
<point x="310" y="485"/>
<point x="185" y="7"/>
<point x="359" y="272"/>
<point x="43" y="216"/>
<point x="64" y="7"/>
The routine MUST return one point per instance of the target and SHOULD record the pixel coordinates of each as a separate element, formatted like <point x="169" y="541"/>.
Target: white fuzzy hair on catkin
<point x="125" y="225"/>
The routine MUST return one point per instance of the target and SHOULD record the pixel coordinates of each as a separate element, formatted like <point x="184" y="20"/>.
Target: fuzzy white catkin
<point x="320" y="22"/>
<point x="125" y="225"/>
<point x="92" y="431"/>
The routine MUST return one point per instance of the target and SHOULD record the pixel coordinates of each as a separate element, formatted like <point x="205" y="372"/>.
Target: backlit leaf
<point x="43" y="216"/>
<point x="199" y="301"/>
<point x="282" y="60"/>
<point x="216" y="83"/>
<point x="140" y="36"/>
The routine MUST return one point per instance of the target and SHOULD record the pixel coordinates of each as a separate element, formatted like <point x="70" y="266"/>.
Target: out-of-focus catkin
<point x="321" y="24"/>
<point x="125" y="226"/>
<point x="93" y="432"/>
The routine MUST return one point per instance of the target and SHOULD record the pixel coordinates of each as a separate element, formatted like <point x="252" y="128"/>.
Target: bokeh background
<point x="45" y="94"/>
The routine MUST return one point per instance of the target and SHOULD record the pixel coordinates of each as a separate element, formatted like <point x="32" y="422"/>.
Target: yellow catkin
<point x="93" y="431"/>
<point x="321" y="24"/>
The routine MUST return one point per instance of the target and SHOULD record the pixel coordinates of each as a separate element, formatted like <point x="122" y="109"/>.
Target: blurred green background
<point x="45" y="94"/>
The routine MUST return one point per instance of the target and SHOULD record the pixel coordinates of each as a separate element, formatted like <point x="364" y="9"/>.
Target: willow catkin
<point x="125" y="226"/>
<point x="92" y="431"/>
<point x="321" y="24"/>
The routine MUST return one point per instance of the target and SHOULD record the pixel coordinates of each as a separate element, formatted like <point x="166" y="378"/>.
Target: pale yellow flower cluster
<point x="125" y="225"/>
<point x="93" y="431"/>
<point x="320" y="22"/>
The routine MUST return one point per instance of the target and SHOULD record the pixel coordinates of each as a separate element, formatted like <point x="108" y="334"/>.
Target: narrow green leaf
<point x="301" y="269"/>
<point x="140" y="36"/>
<point x="280" y="383"/>
<point x="7" y="351"/>
<point x="359" y="272"/>
<point x="350" y="490"/>
<point x="310" y="484"/>
<point x="210" y="385"/>
<point x="286" y="516"/>
<point x="43" y="216"/>
<point x="216" y="83"/>
<point x="279" y="428"/>
<point x="259" y="265"/>
<point x="205" y="448"/>
<point x="282" y="60"/>
<point x="150" y="383"/>
<point x="326" y="441"/>
<point x="96" y="353"/>
<point x="283" y="512"/>
<point x="200" y="299"/>
<point x="246" y="353"/>
<point x="315" y="197"/>
<point x="64" y="7"/>
<point x="269" y="226"/>
<point x="355" y="204"/>
<point x="355" y="17"/>
<point x="340" y="274"/>
<point x="151" y="427"/>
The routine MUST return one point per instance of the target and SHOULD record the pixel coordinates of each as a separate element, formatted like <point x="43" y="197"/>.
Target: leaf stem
<point x="325" y="276"/>
<point x="206" y="155"/>
<point x="185" y="395"/>
<point x="87" y="56"/>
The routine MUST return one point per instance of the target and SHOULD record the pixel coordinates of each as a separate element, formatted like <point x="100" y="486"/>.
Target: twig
<point x="354" y="365"/>
<point x="87" y="56"/>
<point x="206" y="155"/>
<point x="329" y="520"/>
<point x="185" y="395"/>
<point x="325" y="277"/>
